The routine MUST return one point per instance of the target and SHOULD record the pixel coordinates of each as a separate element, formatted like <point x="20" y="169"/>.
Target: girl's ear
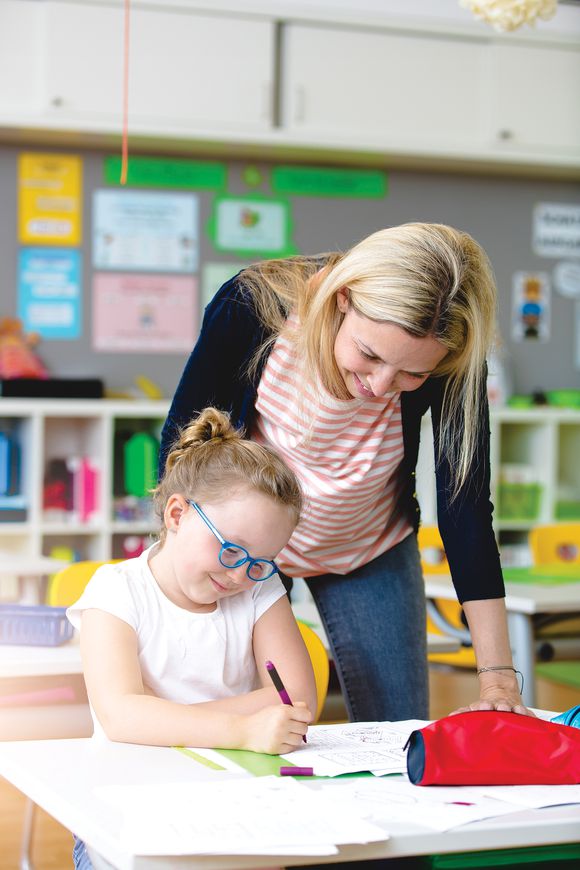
<point x="175" y="511"/>
<point x="342" y="299"/>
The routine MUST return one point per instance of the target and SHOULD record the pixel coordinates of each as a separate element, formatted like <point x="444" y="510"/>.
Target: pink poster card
<point x="144" y="313"/>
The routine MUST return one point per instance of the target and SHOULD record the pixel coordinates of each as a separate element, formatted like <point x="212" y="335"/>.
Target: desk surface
<point x="527" y="598"/>
<point x="60" y="775"/>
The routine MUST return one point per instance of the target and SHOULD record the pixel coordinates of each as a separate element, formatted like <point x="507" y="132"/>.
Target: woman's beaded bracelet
<point x="503" y="668"/>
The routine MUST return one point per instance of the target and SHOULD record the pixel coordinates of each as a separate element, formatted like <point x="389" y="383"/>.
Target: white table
<point x="60" y="776"/>
<point x="523" y="601"/>
<point x="30" y="571"/>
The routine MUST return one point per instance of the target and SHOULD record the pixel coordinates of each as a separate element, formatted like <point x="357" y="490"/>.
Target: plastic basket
<point x="37" y="625"/>
<point x="519" y="501"/>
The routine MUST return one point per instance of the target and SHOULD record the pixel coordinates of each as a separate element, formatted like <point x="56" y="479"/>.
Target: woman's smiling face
<point x="379" y="358"/>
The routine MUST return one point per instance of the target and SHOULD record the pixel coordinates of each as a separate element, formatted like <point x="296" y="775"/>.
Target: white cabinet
<point x="394" y="89"/>
<point x="536" y="96"/>
<point x="21" y="49"/>
<point x="188" y="70"/>
<point x="535" y="473"/>
<point x="52" y="434"/>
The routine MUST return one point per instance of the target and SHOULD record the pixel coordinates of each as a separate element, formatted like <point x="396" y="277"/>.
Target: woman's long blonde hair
<point x="429" y="279"/>
<point x="211" y="459"/>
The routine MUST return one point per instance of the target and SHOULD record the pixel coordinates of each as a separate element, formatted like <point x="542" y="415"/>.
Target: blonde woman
<point x="332" y="361"/>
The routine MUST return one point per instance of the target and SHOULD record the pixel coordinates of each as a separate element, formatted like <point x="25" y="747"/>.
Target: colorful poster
<point x="531" y="307"/>
<point x="213" y="275"/>
<point x="140" y="231"/>
<point x="49" y="292"/>
<point x="251" y="225"/>
<point x="49" y="199"/>
<point x="144" y="313"/>
<point x="556" y="230"/>
<point x="324" y="181"/>
<point x="161" y="172"/>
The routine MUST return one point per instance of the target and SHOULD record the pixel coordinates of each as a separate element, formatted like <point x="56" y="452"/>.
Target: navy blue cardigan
<point x="216" y="374"/>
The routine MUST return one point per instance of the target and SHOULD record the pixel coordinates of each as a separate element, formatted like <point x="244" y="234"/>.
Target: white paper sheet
<point x="535" y="796"/>
<point x="259" y="816"/>
<point x="360" y="746"/>
<point x="439" y="808"/>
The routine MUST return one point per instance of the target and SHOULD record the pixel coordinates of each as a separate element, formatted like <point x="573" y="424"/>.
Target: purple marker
<point x="280" y="688"/>
<point x="296" y="771"/>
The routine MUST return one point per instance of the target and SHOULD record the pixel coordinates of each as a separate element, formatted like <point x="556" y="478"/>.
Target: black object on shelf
<point x="52" y="388"/>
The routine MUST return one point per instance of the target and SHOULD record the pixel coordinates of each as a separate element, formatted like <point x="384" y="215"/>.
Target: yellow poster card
<point x="49" y="199"/>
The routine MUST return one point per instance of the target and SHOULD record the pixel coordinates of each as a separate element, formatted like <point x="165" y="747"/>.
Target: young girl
<point x="174" y="643"/>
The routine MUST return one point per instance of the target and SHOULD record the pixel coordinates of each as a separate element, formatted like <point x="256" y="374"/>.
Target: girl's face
<point x="188" y="569"/>
<point x="379" y="358"/>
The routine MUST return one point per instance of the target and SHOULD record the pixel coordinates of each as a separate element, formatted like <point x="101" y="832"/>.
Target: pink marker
<point x="280" y="688"/>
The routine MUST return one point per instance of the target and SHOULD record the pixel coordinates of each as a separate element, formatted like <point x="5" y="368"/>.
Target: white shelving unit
<point x="54" y="429"/>
<point x="544" y="443"/>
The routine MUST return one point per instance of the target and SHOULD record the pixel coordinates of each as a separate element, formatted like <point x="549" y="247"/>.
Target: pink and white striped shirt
<point x="345" y="454"/>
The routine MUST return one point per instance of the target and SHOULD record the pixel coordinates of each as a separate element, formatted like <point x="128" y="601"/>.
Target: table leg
<point x="521" y="632"/>
<point x="27" y="832"/>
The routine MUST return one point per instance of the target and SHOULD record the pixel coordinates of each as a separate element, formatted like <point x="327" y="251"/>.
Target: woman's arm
<point x="129" y="715"/>
<point x="498" y="690"/>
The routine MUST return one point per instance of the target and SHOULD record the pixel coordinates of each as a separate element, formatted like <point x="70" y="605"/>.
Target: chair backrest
<point x="320" y="664"/>
<point x="433" y="558"/>
<point x="555" y="544"/>
<point x="68" y="584"/>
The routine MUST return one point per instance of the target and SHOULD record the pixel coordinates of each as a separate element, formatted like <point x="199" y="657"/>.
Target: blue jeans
<point x="376" y="625"/>
<point x="80" y="855"/>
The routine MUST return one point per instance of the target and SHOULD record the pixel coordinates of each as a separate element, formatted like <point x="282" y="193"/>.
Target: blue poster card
<point x="49" y="292"/>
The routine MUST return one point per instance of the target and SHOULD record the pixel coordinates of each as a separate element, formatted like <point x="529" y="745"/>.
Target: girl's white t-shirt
<point x="184" y="657"/>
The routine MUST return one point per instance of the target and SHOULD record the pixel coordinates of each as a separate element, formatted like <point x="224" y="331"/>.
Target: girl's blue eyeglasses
<point x="233" y="555"/>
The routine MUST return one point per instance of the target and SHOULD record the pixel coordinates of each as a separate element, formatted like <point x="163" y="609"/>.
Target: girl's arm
<point x="278" y="639"/>
<point x="498" y="690"/>
<point x="129" y="715"/>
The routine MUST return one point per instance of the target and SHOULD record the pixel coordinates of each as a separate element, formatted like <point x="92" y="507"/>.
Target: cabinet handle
<point x="504" y="135"/>
<point x="57" y="102"/>
<point x="299" y="104"/>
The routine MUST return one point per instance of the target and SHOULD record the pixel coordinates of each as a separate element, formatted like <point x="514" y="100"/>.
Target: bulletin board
<point x="146" y="258"/>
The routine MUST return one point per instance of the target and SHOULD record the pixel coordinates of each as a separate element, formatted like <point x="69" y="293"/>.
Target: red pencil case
<point x="494" y="748"/>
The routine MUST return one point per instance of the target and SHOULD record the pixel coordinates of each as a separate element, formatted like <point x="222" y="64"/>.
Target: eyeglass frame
<point x="225" y="544"/>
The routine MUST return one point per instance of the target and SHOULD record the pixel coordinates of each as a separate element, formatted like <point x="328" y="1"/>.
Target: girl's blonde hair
<point x="429" y="279"/>
<point x="211" y="459"/>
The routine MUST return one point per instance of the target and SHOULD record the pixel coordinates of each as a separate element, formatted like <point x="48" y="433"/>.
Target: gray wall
<point x="496" y="211"/>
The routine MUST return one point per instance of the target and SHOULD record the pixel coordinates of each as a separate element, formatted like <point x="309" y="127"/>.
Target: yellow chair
<point x="434" y="561"/>
<point x="320" y="664"/>
<point x="67" y="585"/>
<point x="555" y="544"/>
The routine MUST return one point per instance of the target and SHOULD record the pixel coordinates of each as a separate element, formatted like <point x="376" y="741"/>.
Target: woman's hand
<point x="498" y="692"/>
<point x="277" y="729"/>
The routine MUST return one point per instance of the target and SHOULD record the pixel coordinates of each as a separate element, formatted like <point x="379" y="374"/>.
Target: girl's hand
<point x="497" y="692"/>
<point x="277" y="729"/>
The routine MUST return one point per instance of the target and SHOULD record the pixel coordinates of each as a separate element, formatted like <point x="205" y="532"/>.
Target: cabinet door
<point x="537" y="96"/>
<point x="384" y="88"/>
<point x="20" y="57"/>
<point x="187" y="70"/>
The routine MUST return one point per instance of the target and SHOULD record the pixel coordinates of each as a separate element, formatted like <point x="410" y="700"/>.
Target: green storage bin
<point x="567" y="510"/>
<point x="519" y="501"/>
<point x="141" y="456"/>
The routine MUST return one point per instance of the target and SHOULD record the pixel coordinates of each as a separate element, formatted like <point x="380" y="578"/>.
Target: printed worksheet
<point x="354" y="747"/>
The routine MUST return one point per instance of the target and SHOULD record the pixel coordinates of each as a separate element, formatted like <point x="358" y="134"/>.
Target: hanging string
<point x="125" y="145"/>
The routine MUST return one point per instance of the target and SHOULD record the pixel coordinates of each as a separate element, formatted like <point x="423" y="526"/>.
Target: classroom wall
<point x="496" y="211"/>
